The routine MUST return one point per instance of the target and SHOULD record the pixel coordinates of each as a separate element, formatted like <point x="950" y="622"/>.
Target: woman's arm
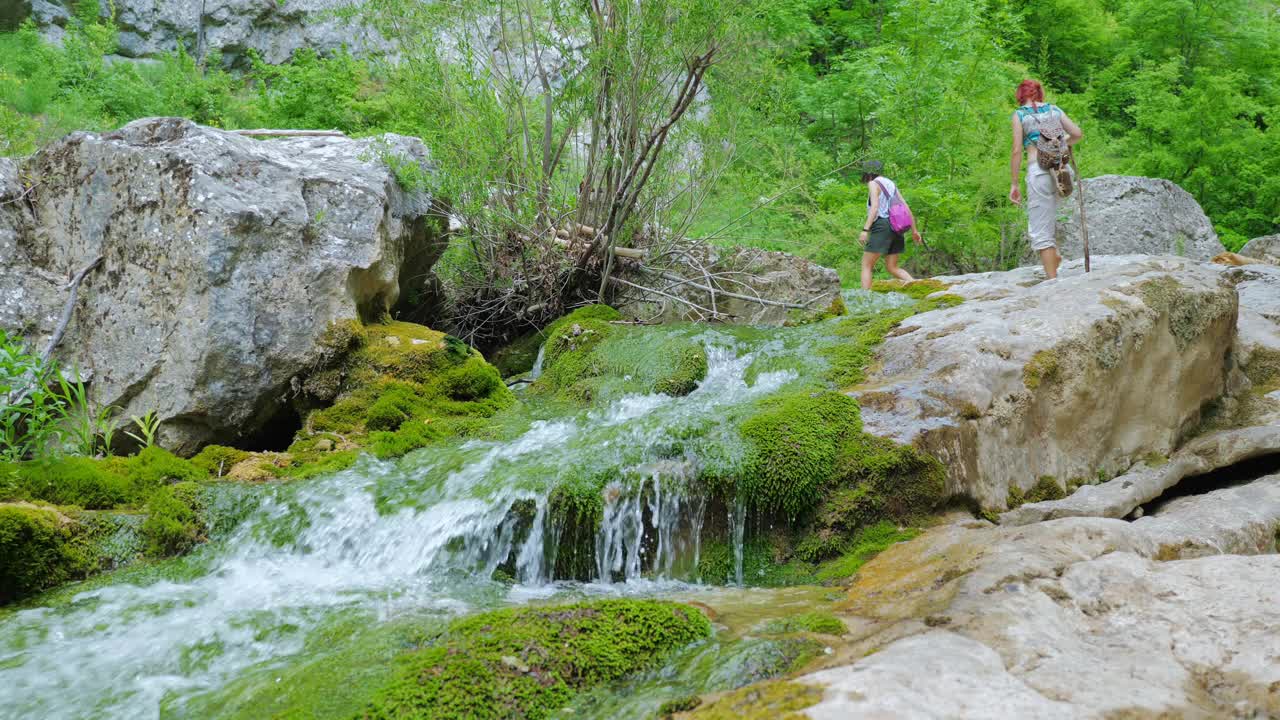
<point x="873" y="209"/>
<point x="1015" y="162"/>
<point x="1074" y="133"/>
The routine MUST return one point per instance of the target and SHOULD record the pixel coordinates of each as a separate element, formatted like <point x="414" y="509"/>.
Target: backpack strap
<point x="883" y="191"/>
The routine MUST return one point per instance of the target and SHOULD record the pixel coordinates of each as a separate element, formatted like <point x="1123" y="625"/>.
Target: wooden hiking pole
<point x="1084" y="227"/>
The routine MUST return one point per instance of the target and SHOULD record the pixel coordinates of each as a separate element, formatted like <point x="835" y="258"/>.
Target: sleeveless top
<point x="887" y="190"/>
<point x="1028" y="117"/>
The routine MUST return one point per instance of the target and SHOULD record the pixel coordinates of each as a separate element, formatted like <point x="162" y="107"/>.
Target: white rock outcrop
<point x="225" y="262"/>
<point x="1068" y="379"/>
<point x="1138" y="215"/>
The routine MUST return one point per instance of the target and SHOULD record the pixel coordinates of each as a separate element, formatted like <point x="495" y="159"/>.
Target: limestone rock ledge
<point x="1072" y="618"/>
<point x="226" y="261"/>
<point x="1066" y="379"/>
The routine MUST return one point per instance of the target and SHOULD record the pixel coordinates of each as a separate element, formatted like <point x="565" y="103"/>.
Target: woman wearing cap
<point x="1042" y="194"/>
<point x="878" y="237"/>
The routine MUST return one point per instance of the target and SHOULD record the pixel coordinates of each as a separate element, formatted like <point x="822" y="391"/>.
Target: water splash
<point x="381" y="540"/>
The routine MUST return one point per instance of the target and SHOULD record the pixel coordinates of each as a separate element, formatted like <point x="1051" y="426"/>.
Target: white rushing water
<point x="421" y="535"/>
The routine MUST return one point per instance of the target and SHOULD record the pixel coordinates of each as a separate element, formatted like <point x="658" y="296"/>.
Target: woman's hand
<point x="915" y="235"/>
<point x="862" y="238"/>
<point x="1015" y="195"/>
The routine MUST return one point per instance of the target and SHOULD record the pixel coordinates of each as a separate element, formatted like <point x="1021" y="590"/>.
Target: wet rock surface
<point x="1129" y="214"/>
<point x="1030" y="379"/>
<point x="225" y="262"/>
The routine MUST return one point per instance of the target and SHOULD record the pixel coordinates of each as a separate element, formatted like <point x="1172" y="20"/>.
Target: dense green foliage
<point x="1188" y="91"/>
<point x="1168" y="88"/>
<point x="528" y="662"/>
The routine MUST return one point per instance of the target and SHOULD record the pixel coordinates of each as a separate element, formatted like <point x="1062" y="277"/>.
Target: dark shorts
<point x="882" y="239"/>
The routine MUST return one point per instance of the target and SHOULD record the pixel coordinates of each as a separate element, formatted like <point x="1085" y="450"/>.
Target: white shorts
<point x="1042" y="208"/>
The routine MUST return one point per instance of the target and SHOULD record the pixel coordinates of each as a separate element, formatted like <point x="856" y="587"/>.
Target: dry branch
<point x="67" y="309"/>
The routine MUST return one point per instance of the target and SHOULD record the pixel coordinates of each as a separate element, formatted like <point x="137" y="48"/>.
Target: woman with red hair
<point x="1033" y="115"/>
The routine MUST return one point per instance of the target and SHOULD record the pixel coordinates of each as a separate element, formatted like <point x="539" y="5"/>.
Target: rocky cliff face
<point x="1068" y="379"/>
<point x="275" y="30"/>
<point x="1129" y="214"/>
<point x="226" y="260"/>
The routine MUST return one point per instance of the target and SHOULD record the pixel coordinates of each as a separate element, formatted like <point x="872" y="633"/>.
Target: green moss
<point x="519" y="356"/>
<point x="217" y="460"/>
<point x="80" y="481"/>
<point x="173" y="525"/>
<point x="405" y="386"/>
<point x="812" y="622"/>
<point x="917" y="289"/>
<point x="1263" y="370"/>
<point x="797" y="442"/>
<point x="678" y="705"/>
<point x="36" y="551"/>
<point x="529" y="662"/>
<point x="772" y="700"/>
<point x="835" y="308"/>
<point x="860" y="548"/>
<point x="1190" y="313"/>
<point x="155" y="467"/>
<point x="1041" y="368"/>
<point x="1046" y="488"/>
<point x="588" y="359"/>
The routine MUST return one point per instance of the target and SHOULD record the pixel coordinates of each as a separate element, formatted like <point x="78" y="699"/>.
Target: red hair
<point x="1030" y="91"/>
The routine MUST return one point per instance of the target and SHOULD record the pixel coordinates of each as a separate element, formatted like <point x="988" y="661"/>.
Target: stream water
<point x="322" y="570"/>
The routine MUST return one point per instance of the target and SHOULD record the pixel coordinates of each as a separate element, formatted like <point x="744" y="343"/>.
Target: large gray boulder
<point x="728" y="284"/>
<point x="1073" y="618"/>
<point x="1128" y="214"/>
<point x="226" y="261"/>
<point x="1265" y="248"/>
<point x="275" y="30"/>
<point x="1068" y="379"/>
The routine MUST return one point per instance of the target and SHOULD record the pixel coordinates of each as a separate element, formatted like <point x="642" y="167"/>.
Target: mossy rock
<point x="519" y="356"/>
<point x="797" y="441"/>
<point x="810" y="622"/>
<point x="217" y="460"/>
<point x="1045" y="488"/>
<point x="588" y="359"/>
<point x="173" y="525"/>
<point x="36" y="551"/>
<point x="772" y="700"/>
<point x="1043" y="367"/>
<point x="1190" y="313"/>
<point x="405" y="386"/>
<point x="94" y="483"/>
<point x="528" y="662"/>
<point x="917" y="289"/>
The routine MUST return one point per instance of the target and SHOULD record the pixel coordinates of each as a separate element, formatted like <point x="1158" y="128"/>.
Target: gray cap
<point x="872" y="166"/>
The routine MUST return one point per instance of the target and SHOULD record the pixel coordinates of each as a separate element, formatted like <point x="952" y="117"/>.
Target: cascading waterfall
<point x="381" y="540"/>
<point x="738" y="526"/>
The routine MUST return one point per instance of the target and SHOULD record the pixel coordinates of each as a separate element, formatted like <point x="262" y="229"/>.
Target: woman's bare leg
<point x="891" y="264"/>
<point x="1050" y="259"/>
<point x="868" y="264"/>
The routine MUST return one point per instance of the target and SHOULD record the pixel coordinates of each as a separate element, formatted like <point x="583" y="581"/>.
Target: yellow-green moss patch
<point x="1041" y="368"/>
<point x="772" y="700"/>
<point x="529" y="662"/>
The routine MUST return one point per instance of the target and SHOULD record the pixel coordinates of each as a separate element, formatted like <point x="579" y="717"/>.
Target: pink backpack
<point x="899" y="214"/>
